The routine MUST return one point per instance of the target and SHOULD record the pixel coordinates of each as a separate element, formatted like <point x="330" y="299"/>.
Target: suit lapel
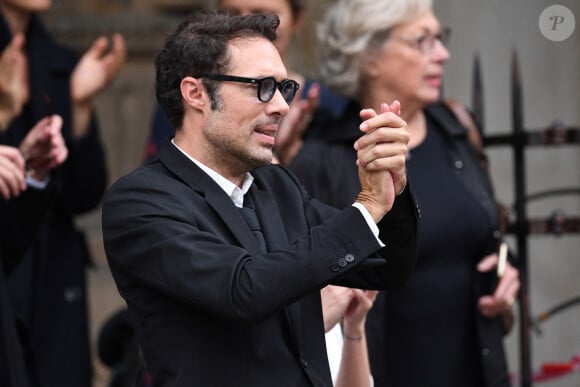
<point x="216" y="198"/>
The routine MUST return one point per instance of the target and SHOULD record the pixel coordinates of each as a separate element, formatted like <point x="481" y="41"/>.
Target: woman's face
<point x="288" y="23"/>
<point x="409" y="64"/>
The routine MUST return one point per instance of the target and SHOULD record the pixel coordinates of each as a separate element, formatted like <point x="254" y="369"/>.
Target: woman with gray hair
<point x="444" y="325"/>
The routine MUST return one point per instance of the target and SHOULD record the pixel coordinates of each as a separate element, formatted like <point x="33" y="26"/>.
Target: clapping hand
<point x="97" y="68"/>
<point x="381" y="154"/>
<point x="289" y="136"/>
<point x="43" y="148"/>
<point x="335" y="301"/>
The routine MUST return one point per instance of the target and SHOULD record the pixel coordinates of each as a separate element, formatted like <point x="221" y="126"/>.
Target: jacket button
<point x="458" y="164"/>
<point x="485" y="352"/>
<point x="342" y="262"/>
<point x="334" y="267"/>
<point x="349" y="258"/>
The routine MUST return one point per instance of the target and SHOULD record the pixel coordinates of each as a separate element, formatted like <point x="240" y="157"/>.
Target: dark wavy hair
<point x="200" y="45"/>
<point x="296" y="6"/>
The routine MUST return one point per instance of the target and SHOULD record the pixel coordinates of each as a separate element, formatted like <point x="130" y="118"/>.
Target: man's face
<point x="242" y="131"/>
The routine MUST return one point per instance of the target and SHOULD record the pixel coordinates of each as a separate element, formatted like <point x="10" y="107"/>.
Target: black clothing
<point x="428" y="330"/>
<point x="19" y="221"/>
<point x="211" y="307"/>
<point x="49" y="287"/>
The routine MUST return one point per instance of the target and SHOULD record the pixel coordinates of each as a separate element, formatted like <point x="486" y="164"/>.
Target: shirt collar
<point x="233" y="191"/>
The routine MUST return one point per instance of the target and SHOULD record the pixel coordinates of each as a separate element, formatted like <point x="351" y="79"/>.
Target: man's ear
<point x="193" y="93"/>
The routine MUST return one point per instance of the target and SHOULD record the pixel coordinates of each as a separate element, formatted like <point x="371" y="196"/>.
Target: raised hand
<point x="97" y="68"/>
<point x="12" y="167"/>
<point x="289" y="136"/>
<point x="381" y="154"/>
<point x="357" y="310"/>
<point x="335" y="301"/>
<point x="43" y="148"/>
<point x="14" y="87"/>
<point x="95" y="71"/>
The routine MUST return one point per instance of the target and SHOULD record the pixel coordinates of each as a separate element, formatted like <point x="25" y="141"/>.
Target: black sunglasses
<point x="266" y="86"/>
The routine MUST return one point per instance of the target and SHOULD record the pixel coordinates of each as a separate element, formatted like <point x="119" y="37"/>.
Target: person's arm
<point x="384" y="194"/>
<point x="94" y="72"/>
<point x="85" y="176"/>
<point x="160" y="234"/>
<point x="354" y="368"/>
<point x="42" y="150"/>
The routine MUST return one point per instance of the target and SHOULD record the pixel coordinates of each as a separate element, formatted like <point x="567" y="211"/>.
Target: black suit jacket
<point x="210" y="308"/>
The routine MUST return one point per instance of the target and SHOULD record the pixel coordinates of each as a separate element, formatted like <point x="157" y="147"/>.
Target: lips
<point x="433" y="80"/>
<point x="267" y="133"/>
<point x="268" y="130"/>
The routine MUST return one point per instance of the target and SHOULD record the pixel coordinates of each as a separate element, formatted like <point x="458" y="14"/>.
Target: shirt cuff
<point x="38" y="184"/>
<point x="369" y="219"/>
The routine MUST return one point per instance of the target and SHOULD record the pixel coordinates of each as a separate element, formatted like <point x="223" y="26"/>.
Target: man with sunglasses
<point x="220" y="298"/>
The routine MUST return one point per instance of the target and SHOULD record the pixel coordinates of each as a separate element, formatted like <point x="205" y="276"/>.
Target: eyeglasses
<point x="426" y="42"/>
<point x="266" y="86"/>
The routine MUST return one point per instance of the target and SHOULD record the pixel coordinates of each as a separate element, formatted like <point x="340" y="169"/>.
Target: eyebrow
<point x="429" y="31"/>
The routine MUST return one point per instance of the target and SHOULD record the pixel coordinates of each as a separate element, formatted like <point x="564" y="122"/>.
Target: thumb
<point x="98" y="47"/>
<point x="55" y="124"/>
<point x="366" y="114"/>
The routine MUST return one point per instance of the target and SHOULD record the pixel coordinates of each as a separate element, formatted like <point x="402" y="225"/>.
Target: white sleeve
<point x="369" y="219"/>
<point x="334" y="350"/>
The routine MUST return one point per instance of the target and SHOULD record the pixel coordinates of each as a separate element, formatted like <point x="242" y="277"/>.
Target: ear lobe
<point x="193" y="92"/>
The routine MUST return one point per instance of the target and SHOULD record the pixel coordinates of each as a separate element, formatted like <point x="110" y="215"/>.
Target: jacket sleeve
<point x="396" y="261"/>
<point x="161" y="235"/>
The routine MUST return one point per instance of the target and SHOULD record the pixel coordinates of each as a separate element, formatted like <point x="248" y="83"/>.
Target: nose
<point x="440" y="53"/>
<point x="277" y="105"/>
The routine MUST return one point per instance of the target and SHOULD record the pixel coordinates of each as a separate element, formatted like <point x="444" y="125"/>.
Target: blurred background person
<point x="27" y="191"/>
<point x="48" y="288"/>
<point x="444" y="325"/>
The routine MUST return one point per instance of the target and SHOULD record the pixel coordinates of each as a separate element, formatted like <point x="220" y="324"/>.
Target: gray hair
<point x="352" y="27"/>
